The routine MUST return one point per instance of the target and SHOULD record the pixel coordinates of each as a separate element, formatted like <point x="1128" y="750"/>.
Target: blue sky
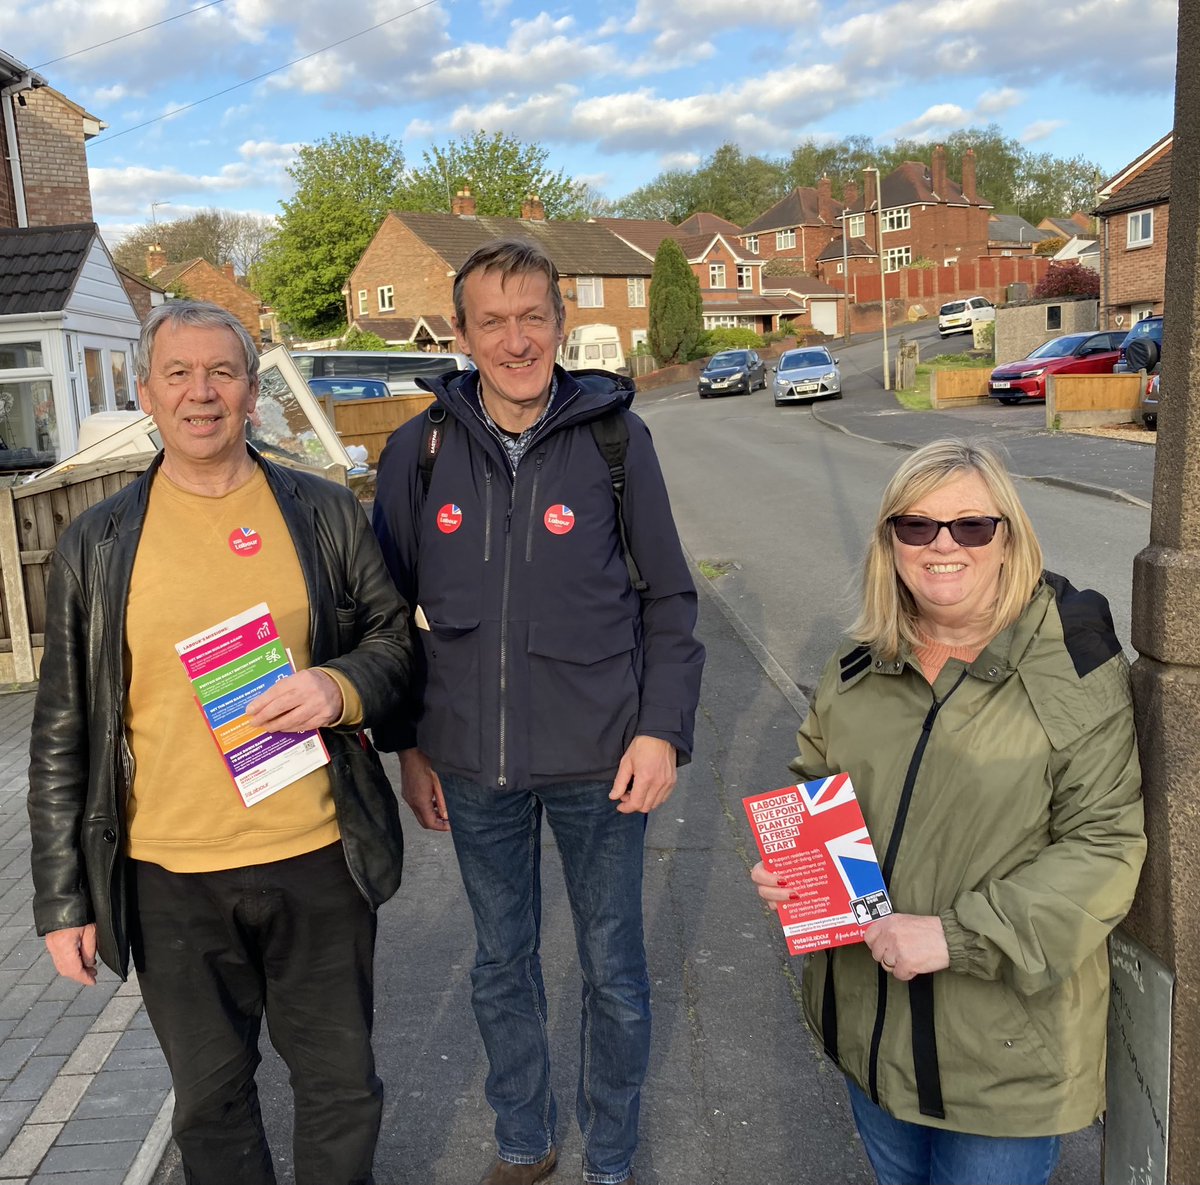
<point x="616" y="90"/>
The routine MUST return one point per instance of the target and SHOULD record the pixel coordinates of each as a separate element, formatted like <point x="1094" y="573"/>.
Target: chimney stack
<point x="156" y="259"/>
<point x="968" y="175"/>
<point x="532" y="209"/>
<point x="227" y="268"/>
<point x="850" y="194"/>
<point x="938" y="172"/>
<point x="463" y="204"/>
<point x="824" y="193"/>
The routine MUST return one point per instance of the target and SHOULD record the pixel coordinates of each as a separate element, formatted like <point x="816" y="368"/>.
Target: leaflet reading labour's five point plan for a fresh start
<point x="814" y="836"/>
<point x="231" y="664"/>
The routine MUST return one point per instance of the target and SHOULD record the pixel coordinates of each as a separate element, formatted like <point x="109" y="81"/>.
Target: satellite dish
<point x="1120" y="319"/>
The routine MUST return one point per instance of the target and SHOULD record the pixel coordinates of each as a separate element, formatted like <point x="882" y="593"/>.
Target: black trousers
<point x="214" y="951"/>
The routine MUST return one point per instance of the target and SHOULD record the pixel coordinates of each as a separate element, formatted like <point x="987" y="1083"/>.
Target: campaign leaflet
<point x="231" y="664"/>
<point x="814" y="836"/>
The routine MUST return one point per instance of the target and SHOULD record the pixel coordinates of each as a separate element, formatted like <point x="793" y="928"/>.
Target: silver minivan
<point x="398" y="368"/>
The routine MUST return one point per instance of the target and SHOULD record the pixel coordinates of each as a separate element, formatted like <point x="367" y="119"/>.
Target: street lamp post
<point x="845" y="279"/>
<point x="887" y="379"/>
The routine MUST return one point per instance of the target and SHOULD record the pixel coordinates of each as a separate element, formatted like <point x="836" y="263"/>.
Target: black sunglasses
<point x="975" y="530"/>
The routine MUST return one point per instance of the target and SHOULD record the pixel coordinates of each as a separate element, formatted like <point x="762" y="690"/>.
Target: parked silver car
<point x="807" y="373"/>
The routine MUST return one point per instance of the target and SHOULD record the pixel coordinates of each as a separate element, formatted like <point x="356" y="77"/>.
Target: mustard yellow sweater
<point x="184" y="811"/>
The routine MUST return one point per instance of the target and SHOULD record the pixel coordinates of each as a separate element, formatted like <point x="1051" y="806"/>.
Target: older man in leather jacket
<point x="230" y="905"/>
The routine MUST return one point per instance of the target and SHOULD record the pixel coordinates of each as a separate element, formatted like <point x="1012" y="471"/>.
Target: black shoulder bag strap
<point x="612" y="439"/>
<point x="431" y="443"/>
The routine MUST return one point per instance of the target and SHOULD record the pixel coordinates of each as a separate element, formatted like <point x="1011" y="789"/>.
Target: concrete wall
<point x="1093" y="400"/>
<point x="1021" y="328"/>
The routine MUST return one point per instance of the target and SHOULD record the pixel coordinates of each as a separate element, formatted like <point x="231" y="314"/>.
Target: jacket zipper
<point x="501" y="778"/>
<point x="487" y="508"/>
<point x="533" y="490"/>
<point x="889" y="861"/>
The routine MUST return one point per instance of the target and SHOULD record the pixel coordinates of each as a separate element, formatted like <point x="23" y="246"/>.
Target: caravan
<point x="594" y="347"/>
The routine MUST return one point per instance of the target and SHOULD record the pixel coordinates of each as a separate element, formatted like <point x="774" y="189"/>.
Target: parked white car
<point x="959" y="316"/>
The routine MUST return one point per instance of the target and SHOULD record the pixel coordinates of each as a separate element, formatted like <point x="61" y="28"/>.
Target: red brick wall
<point x="205" y="282"/>
<point x="421" y="286"/>
<point x="1135" y="275"/>
<point x="53" y="161"/>
<point x="8" y="202"/>
<point x="810" y="242"/>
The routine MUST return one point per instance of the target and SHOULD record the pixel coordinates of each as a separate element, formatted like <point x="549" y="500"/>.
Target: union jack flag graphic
<point x="826" y="793"/>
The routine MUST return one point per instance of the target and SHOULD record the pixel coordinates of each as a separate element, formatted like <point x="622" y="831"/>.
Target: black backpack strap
<point x="611" y="434"/>
<point x="431" y="443"/>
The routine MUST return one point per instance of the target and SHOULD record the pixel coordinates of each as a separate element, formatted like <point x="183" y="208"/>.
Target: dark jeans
<point x="904" y="1153"/>
<point x="214" y="951"/>
<point x="498" y="839"/>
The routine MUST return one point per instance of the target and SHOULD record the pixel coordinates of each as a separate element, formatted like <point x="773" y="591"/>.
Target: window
<point x="120" y="373"/>
<point x="1054" y="316"/>
<point x="1141" y="229"/>
<point x="387" y="299"/>
<point x="745" y="277"/>
<point x="716" y="275"/>
<point x="636" y="289"/>
<point x="839" y="269"/>
<point x="856" y="225"/>
<point x="752" y="243"/>
<point x="728" y="321"/>
<point x="896" y="219"/>
<point x="590" y="292"/>
<point x="894" y="258"/>
<point x="28" y="419"/>
<point x="362" y="302"/>
<point x="785" y="239"/>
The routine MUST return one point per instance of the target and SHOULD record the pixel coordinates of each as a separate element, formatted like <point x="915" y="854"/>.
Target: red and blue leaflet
<point x="813" y="835"/>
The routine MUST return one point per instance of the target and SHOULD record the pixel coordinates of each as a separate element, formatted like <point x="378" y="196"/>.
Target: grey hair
<point x="197" y="314"/>
<point x="509" y="257"/>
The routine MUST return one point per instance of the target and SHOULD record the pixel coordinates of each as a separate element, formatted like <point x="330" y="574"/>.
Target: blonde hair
<point x="887" y="614"/>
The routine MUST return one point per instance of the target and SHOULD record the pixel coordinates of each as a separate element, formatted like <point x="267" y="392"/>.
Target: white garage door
<point x="824" y="316"/>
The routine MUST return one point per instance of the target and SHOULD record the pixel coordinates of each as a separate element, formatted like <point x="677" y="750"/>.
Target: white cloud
<point x="1040" y="129"/>
<point x="916" y="38"/>
<point x="679" y="25"/>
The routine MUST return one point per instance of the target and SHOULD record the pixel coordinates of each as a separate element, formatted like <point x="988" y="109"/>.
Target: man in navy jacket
<point x="549" y="684"/>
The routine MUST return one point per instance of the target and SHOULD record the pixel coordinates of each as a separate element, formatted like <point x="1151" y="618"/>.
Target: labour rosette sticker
<point x="245" y="541"/>
<point x="449" y="518"/>
<point x="559" y="519"/>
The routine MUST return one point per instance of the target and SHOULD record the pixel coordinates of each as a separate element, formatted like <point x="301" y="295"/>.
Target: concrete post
<point x="1166" y="631"/>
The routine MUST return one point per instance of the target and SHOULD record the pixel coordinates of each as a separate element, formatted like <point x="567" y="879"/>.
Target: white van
<point x="594" y="347"/>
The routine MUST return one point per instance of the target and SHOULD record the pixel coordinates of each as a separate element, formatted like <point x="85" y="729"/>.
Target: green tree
<point x="738" y="187"/>
<point x="676" y="307"/>
<point x="501" y="172"/>
<point x="1051" y="186"/>
<point x="344" y="186"/>
<point x="360" y="339"/>
<point x="671" y="196"/>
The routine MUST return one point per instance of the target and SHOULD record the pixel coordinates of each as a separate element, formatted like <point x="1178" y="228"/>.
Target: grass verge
<point x="916" y="397"/>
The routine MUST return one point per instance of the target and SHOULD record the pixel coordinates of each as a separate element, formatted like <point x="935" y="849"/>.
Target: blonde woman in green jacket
<point x="982" y="709"/>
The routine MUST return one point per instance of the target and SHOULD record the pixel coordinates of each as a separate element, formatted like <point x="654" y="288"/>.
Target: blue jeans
<point x="911" y="1154"/>
<point x="497" y="837"/>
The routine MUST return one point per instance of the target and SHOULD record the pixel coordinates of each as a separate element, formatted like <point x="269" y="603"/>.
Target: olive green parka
<point x="1006" y="801"/>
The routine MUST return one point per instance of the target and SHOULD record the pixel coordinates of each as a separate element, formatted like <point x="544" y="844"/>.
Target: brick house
<point x="797" y="228"/>
<point x="1134" y="219"/>
<point x="43" y="165"/>
<point x="198" y="279"/>
<point x="401" y="288"/>
<point x="730" y="276"/>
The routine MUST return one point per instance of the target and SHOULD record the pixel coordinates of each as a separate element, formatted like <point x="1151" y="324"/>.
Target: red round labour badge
<point x="449" y="518"/>
<point x="245" y="541"/>
<point x="559" y="519"/>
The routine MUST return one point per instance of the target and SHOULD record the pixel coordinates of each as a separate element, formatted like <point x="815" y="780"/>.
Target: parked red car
<point x="1073" y="353"/>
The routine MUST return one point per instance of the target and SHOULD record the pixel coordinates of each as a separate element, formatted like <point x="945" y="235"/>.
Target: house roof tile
<point x="401" y="329"/>
<point x="39" y="267"/>
<point x="802" y="207"/>
<point x="577" y="248"/>
<point x="1150" y="187"/>
<point x="705" y="223"/>
<point x="1012" y="228"/>
<point x="856" y="249"/>
<point x="643" y="234"/>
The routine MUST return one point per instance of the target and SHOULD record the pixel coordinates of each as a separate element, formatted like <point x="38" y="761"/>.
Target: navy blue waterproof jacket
<point x="541" y="662"/>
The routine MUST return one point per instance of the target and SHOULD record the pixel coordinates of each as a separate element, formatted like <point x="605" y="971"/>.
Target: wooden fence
<point x="33" y="518"/>
<point x="370" y="422"/>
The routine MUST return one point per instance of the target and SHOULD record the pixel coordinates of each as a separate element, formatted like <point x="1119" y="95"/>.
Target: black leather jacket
<point x="79" y="760"/>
